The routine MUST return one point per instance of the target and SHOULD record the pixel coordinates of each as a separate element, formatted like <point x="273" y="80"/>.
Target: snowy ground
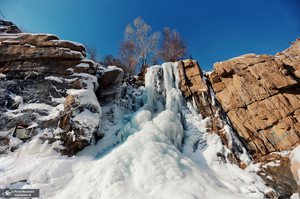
<point x="140" y="156"/>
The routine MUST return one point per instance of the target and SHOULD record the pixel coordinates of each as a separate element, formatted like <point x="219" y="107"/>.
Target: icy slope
<point x="139" y="155"/>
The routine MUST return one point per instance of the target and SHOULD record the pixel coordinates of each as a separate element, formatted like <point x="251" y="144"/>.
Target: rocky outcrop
<point x="47" y="89"/>
<point x="276" y="172"/>
<point x="196" y="88"/>
<point x="8" y="27"/>
<point x="110" y="81"/>
<point x="261" y="96"/>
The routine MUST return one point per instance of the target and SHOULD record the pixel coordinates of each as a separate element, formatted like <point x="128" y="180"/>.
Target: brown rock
<point x="191" y="77"/>
<point x="223" y="69"/>
<point x="261" y="97"/>
<point x="197" y="89"/>
<point x="16" y="52"/>
<point x="192" y="86"/>
<point x="113" y="76"/>
<point x="275" y="170"/>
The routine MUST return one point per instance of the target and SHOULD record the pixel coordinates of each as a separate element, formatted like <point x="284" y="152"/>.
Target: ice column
<point x="164" y="100"/>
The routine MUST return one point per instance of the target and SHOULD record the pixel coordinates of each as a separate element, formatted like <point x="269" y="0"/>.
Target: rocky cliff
<point x="50" y="90"/>
<point x="261" y="96"/>
<point x="47" y="86"/>
<point x="196" y="88"/>
<point x="258" y="95"/>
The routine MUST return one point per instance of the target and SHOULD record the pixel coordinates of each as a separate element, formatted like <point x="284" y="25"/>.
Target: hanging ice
<point x="164" y="100"/>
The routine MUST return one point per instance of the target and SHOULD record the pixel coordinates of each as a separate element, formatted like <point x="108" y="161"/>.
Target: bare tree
<point x="92" y="51"/>
<point x="173" y="46"/>
<point x="128" y="56"/>
<point x="145" y="43"/>
<point x="156" y="56"/>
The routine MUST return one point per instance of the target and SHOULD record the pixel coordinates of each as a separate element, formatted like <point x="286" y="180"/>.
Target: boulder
<point x="193" y="86"/>
<point x="275" y="171"/>
<point x="110" y="81"/>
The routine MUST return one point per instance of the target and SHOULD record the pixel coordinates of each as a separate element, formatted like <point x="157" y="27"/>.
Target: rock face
<point x="261" y="96"/>
<point x="47" y="89"/>
<point x="276" y="172"/>
<point x="194" y="88"/>
<point x="110" y="81"/>
<point x="197" y="89"/>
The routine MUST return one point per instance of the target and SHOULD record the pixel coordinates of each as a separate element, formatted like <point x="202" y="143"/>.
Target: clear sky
<point x="215" y="30"/>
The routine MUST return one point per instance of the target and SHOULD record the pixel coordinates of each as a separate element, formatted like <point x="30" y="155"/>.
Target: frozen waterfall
<point x="164" y="100"/>
<point x="138" y="156"/>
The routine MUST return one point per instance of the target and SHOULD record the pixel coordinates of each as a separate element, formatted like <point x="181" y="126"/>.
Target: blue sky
<point x="215" y="30"/>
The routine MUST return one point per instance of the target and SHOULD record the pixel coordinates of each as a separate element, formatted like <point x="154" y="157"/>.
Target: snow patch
<point x="53" y="78"/>
<point x="272" y="164"/>
<point x="83" y="65"/>
<point x="87" y="118"/>
<point x="2" y="76"/>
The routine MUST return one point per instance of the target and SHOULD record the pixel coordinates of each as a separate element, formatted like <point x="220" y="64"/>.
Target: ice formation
<point x="154" y="145"/>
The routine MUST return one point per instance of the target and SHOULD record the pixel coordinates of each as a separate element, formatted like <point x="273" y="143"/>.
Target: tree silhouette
<point x="92" y="51"/>
<point x="144" y="42"/>
<point x="128" y="56"/>
<point x="173" y="46"/>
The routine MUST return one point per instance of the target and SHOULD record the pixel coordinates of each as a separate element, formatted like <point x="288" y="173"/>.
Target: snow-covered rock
<point x="47" y="84"/>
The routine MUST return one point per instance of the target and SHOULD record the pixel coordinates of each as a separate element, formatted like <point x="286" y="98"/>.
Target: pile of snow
<point x="87" y="118"/>
<point x="140" y="154"/>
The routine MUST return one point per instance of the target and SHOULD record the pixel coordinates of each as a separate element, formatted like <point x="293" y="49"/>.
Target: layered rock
<point x="196" y="88"/>
<point x="47" y="89"/>
<point x="261" y="96"/>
